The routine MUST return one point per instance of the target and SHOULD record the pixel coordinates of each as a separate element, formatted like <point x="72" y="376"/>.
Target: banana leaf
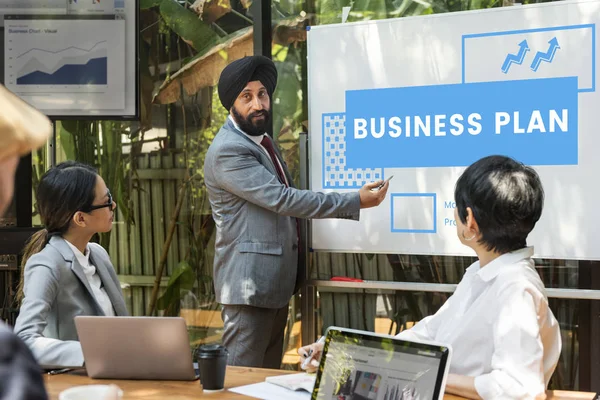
<point x="187" y="25"/>
<point x="211" y="10"/>
<point x="205" y="68"/>
<point x="146" y="4"/>
<point x="182" y="279"/>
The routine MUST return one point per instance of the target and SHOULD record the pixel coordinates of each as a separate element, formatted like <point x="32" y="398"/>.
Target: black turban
<point x="236" y="76"/>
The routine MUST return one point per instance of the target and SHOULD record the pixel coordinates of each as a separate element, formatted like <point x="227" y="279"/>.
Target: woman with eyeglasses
<point x="63" y="274"/>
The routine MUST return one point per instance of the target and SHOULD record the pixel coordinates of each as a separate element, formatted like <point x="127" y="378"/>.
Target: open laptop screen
<point x="360" y="365"/>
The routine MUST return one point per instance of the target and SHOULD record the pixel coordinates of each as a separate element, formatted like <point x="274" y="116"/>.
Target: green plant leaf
<point x="286" y="97"/>
<point x="182" y="279"/>
<point x="369" y="9"/>
<point x="146" y="4"/>
<point x="187" y="25"/>
<point x="66" y="138"/>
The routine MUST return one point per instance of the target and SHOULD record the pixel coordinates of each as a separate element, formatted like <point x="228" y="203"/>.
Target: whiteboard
<point x="421" y="98"/>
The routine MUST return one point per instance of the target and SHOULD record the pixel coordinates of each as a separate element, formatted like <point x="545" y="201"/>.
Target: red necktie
<point x="268" y="145"/>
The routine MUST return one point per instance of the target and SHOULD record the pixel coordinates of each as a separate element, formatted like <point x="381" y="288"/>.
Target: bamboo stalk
<point x="175" y="216"/>
<point x="166" y="245"/>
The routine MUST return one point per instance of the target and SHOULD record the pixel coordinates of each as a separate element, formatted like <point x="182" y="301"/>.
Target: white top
<point x="93" y="279"/>
<point x="500" y="328"/>
<point x="258" y="140"/>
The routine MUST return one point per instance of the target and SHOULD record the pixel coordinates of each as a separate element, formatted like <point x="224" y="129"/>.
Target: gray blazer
<point x="56" y="291"/>
<point x="256" y="249"/>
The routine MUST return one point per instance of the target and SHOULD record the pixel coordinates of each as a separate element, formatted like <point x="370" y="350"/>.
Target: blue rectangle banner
<point x="533" y="121"/>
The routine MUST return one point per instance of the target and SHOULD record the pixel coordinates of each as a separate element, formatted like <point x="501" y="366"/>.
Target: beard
<point x="249" y="125"/>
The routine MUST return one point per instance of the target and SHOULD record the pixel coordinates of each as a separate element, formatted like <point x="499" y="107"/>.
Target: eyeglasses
<point x="108" y="204"/>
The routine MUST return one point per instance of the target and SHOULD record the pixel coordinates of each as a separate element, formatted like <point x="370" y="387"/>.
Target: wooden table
<point x="162" y="390"/>
<point x="235" y="376"/>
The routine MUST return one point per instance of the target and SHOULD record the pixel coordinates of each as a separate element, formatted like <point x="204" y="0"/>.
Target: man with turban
<point x="255" y="206"/>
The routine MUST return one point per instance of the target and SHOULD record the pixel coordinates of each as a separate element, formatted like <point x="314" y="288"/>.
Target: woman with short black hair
<point x="499" y="201"/>
<point x="505" y="340"/>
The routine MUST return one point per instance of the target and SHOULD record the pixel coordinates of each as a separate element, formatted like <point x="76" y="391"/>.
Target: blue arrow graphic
<point x="515" y="58"/>
<point x="547" y="56"/>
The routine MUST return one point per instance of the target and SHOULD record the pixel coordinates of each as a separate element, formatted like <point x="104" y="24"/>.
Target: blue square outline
<point x="547" y="29"/>
<point x="433" y="195"/>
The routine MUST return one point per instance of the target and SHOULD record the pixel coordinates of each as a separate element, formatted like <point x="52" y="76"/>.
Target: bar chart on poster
<point x="421" y="98"/>
<point x="57" y="61"/>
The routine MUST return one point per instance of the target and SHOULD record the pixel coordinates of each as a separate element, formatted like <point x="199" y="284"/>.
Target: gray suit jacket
<point x="256" y="250"/>
<point x="56" y="291"/>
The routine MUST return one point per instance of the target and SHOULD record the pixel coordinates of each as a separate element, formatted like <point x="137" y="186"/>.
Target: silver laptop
<point x="154" y="348"/>
<point x="359" y="365"/>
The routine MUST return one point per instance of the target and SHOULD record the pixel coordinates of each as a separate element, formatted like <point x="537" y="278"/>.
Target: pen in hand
<point x="311" y="353"/>
<point x="383" y="183"/>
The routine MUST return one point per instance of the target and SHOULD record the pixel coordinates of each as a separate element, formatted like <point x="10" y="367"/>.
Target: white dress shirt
<point x="500" y="328"/>
<point x="258" y="140"/>
<point x="93" y="279"/>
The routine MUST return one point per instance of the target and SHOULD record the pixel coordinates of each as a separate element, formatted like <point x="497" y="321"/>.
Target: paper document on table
<point x="268" y="391"/>
<point x="301" y="381"/>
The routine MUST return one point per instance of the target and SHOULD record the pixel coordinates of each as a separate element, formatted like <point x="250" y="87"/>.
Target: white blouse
<point x="500" y="328"/>
<point x="93" y="279"/>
